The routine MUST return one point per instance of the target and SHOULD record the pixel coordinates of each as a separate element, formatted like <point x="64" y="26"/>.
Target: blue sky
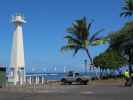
<point x="46" y="25"/>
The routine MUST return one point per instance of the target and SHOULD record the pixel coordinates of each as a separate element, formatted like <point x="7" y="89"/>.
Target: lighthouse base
<point x="16" y="76"/>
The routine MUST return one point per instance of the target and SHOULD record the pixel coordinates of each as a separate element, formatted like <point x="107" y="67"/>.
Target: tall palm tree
<point x="127" y="12"/>
<point x="79" y="37"/>
<point x="127" y="9"/>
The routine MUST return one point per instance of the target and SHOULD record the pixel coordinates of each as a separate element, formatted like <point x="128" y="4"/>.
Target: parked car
<point x="75" y="78"/>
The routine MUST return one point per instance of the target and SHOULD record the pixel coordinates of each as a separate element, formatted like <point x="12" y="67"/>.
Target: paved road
<point x="72" y="92"/>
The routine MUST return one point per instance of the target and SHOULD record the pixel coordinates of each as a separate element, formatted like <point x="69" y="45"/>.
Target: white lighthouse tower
<point x="17" y="54"/>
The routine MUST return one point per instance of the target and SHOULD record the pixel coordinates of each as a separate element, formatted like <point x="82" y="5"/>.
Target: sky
<point x="47" y="21"/>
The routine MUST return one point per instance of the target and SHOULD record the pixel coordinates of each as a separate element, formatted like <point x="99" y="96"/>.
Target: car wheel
<point x="79" y="81"/>
<point x="85" y="82"/>
<point x="70" y="83"/>
<point x="63" y="81"/>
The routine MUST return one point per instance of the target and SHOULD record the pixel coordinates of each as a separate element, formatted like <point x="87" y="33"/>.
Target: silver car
<point x="75" y="78"/>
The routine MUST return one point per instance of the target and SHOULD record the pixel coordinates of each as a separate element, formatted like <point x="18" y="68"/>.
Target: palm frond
<point x="127" y="10"/>
<point x="76" y="51"/>
<point x="74" y="31"/>
<point x="95" y="35"/>
<point x="100" y="41"/>
<point x="72" y="40"/>
<point x="126" y="14"/>
<point x="79" y="29"/>
<point x="89" y="26"/>
<point x="68" y="47"/>
<point x="71" y="48"/>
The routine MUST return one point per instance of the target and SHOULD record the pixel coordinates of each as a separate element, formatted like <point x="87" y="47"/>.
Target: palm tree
<point x="127" y="9"/>
<point x="79" y="37"/>
<point x="127" y="12"/>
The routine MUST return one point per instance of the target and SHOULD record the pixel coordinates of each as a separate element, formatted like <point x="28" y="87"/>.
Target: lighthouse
<point x="17" y="65"/>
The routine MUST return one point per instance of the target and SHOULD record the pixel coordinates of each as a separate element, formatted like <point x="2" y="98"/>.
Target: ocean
<point x="59" y="76"/>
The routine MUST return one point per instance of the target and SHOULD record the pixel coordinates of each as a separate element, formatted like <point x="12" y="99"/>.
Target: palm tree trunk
<point x="130" y="62"/>
<point x="88" y="54"/>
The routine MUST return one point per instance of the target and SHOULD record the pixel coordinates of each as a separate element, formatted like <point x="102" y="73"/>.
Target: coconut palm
<point x="127" y="9"/>
<point x="78" y="37"/>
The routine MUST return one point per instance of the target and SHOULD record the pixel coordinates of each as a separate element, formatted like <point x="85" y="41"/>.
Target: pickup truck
<point x="75" y="78"/>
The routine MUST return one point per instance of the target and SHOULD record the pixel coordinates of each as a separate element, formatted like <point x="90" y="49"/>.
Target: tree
<point x="127" y="9"/>
<point x="121" y="36"/>
<point x="114" y="57"/>
<point x="123" y="40"/>
<point x="78" y="37"/>
<point x="111" y="58"/>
